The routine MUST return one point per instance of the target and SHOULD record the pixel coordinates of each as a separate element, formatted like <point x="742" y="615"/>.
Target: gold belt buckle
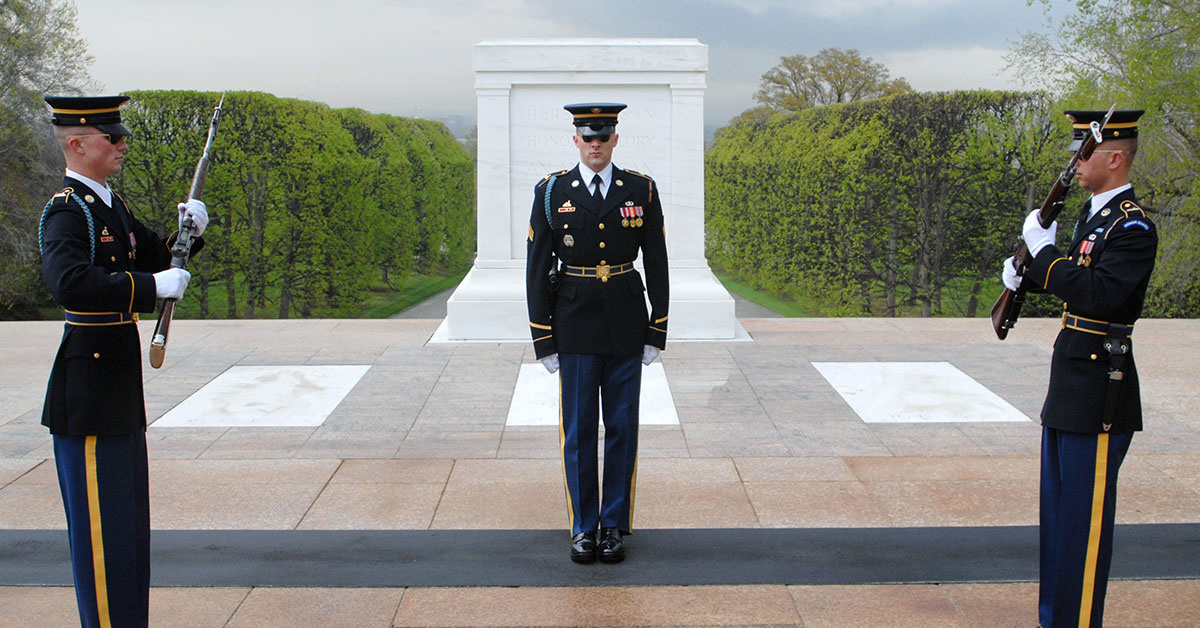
<point x="602" y="272"/>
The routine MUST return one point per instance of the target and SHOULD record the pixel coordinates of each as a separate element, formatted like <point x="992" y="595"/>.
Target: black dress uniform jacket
<point x="585" y="314"/>
<point x="1102" y="277"/>
<point x="95" y="385"/>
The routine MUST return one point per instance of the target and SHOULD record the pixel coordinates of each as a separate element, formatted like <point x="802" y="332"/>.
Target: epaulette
<point x="67" y="191"/>
<point x="1129" y="207"/>
<point x="552" y="174"/>
<point x="1133" y="216"/>
<point x="644" y="176"/>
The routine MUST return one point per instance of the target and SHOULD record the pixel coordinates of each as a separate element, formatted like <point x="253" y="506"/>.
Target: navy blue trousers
<point x="587" y="384"/>
<point x="105" y="490"/>
<point x="1078" y="506"/>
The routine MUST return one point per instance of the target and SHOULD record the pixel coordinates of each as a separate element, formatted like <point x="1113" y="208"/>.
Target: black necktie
<point x="1083" y="217"/>
<point x="597" y="196"/>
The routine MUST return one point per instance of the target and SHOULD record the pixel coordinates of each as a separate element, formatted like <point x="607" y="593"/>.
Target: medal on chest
<point x="631" y="215"/>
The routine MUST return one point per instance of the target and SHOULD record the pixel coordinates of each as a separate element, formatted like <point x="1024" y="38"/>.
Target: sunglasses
<point x="603" y="137"/>
<point x="112" y="139"/>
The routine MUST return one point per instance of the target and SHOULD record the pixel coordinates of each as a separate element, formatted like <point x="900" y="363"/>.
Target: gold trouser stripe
<point x="1093" y="546"/>
<point x="562" y="446"/>
<point x="632" y="491"/>
<point x="93" y="492"/>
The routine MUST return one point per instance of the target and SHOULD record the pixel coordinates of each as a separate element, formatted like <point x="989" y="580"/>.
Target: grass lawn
<point x="765" y="299"/>
<point x="388" y="303"/>
<point x="380" y="301"/>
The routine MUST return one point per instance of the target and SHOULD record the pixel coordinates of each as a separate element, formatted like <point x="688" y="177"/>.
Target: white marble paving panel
<point x="915" y="392"/>
<point x="535" y="399"/>
<point x="266" y="396"/>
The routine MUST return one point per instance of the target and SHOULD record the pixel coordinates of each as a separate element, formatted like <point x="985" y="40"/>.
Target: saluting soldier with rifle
<point x="1093" y="405"/>
<point x="103" y="266"/>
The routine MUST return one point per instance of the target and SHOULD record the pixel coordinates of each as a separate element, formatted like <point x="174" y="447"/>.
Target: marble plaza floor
<point x="829" y="472"/>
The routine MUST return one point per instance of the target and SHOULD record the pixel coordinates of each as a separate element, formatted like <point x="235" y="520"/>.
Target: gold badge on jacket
<point x="105" y="236"/>
<point x="566" y="207"/>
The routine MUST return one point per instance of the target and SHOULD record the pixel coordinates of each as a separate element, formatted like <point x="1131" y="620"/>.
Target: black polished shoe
<point x="612" y="548"/>
<point x="583" y="547"/>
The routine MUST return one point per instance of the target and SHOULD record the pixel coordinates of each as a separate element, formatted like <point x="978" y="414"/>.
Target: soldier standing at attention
<point x="588" y="318"/>
<point x="1093" y="406"/>
<point x="102" y="265"/>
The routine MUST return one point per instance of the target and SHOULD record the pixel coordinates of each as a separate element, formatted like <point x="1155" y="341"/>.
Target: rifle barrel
<point x="183" y="244"/>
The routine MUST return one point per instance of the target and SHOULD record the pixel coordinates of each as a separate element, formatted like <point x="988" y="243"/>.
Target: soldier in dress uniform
<point x="103" y="266"/>
<point x="588" y="318"/>
<point x="1093" y="406"/>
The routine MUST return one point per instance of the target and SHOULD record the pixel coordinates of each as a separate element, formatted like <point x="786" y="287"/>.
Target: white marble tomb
<point x="524" y="133"/>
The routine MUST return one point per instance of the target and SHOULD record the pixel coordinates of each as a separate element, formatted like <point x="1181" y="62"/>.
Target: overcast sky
<point x="413" y="57"/>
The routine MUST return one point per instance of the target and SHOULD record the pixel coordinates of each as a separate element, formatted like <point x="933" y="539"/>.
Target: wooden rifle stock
<point x="1008" y="306"/>
<point x="181" y="250"/>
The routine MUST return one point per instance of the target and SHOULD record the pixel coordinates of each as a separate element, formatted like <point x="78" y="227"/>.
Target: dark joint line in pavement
<point x="663" y="557"/>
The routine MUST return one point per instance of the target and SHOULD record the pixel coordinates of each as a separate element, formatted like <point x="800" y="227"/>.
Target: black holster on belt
<point x="553" y="280"/>
<point x="1118" y="344"/>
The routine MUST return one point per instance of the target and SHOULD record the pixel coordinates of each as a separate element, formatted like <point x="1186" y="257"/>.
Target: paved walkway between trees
<point x="774" y="501"/>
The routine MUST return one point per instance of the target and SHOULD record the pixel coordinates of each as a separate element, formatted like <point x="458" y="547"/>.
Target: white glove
<point x="169" y="283"/>
<point x="1037" y="238"/>
<point x="197" y="210"/>
<point x="648" y="354"/>
<point x="1009" y="275"/>
<point x="550" y="362"/>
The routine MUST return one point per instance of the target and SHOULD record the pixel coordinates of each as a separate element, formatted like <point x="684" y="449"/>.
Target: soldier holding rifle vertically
<point x="1093" y="406"/>
<point x="102" y="266"/>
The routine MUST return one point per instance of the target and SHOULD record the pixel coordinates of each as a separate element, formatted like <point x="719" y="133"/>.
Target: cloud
<point x="946" y="69"/>
<point x="414" y="57"/>
<point x="839" y="9"/>
<point x="381" y="55"/>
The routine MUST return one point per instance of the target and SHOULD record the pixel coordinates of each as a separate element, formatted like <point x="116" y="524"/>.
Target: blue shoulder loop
<point x="90" y="222"/>
<point x="549" y="186"/>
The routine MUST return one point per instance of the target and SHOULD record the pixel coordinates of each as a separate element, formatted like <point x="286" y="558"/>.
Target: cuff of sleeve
<point x="544" y="348"/>
<point x="656" y="336"/>
<point x="543" y="340"/>
<point x="144" y="297"/>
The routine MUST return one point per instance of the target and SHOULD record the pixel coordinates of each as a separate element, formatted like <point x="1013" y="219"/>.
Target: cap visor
<point x="116" y="128"/>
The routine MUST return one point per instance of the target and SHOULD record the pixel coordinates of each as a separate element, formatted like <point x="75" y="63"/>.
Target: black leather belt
<point x="100" y="318"/>
<point x="601" y="272"/>
<point x="1087" y="325"/>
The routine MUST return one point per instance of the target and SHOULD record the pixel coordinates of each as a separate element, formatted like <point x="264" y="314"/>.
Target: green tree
<point x="389" y="194"/>
<point x="1140" y="54"/>
<point x="831" y="76"/>
<point x="41" y="52"/>
<point x="309" y="206"/>
<point x="880" y="206"/>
